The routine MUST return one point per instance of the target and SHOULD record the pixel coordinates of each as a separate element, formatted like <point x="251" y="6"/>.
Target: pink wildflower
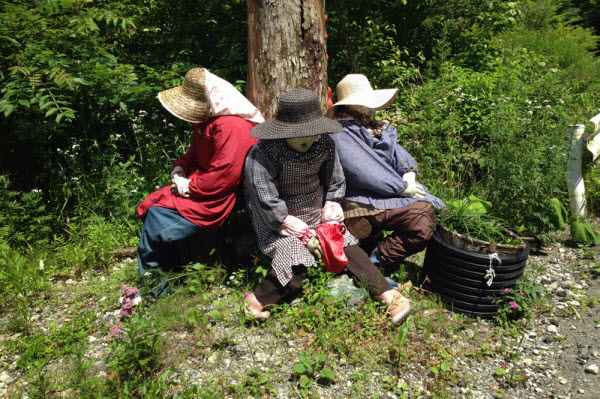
<point x="513" y="305"/>
<point x="247" y="295"/>
<point x="116" y="329"/>
<point x="130" y="292"/>
<point x="357" y="329"/>
<point x="456" y="320"/>
<point x="507" y="290"/>
<point x="521" y="293"/>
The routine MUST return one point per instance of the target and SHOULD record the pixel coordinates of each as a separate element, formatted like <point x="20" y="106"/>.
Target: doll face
<point x="302" y="144"/>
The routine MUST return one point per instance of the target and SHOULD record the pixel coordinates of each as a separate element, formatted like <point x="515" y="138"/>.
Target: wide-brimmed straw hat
<point x="188" y="101"/>
<point x="355" y="89"/>
<point x="298" y="115"/>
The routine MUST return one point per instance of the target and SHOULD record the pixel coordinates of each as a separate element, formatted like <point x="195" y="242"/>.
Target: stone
<point x="591" y="369"/>
<point x="343" y="286"/>
<point x="5" y="378"/>
<point x="552" y="329"/>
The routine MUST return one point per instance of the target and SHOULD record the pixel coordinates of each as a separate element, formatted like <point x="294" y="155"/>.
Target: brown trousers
<point x="412" y="225"/>
<point x="270" y="292"/>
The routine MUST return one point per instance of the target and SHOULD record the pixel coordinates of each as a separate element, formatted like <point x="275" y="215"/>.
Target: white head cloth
<point x="224" y="99"/>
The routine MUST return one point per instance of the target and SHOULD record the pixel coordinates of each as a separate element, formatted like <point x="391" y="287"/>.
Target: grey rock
<point x="343" y="286"/>
<point x="591" y="369"/>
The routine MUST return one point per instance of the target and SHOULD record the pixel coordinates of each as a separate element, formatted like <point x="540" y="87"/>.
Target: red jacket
<point x="214" y="164"/>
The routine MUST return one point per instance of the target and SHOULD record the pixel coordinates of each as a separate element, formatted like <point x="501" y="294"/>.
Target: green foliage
<point x="24" y="217"/>
<point x="22" y="281"/>
<point x="258" y="384"/>
<point x="59" y="341"/>
<point x="499" y="133"/>
<point x="136" y="356"/>
<point x="310" y="370"/>
<point x="471" y="218"/>
<point x="519" y="302"/>
<point x="584" y="233"/>
<point x="560" y="216"/>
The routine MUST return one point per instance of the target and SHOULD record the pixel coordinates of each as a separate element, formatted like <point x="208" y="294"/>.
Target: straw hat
<point x="187" y="102"/>
<point x="355" y="89"/>
<point x="298" y="115"/>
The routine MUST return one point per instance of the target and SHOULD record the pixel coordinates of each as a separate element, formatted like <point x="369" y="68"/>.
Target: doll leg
<point x="270" y="291"/>
<point x="413" y="226"/>
<point x="365" y="271"/>
<point x="162" y="228"/>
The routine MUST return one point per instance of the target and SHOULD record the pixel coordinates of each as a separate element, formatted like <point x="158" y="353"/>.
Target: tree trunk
<point x="286" y="49"/>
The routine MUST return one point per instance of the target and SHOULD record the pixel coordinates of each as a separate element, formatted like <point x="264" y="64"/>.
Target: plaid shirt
<point x="374" y="167"/>
<point x="281" y="182"/>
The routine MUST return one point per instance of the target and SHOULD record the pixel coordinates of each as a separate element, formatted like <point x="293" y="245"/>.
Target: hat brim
<point x="181" y="106"/>
<point x="377" y="99"/>
<point x="276" y="129"/>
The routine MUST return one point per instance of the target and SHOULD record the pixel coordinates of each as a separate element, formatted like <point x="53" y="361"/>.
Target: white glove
<point x="332" y="212"/>
<point x="182" y="186"/>
<point x="314" y="247"/>
<point x="413" y="190"/>
<point x="410" y="177"/>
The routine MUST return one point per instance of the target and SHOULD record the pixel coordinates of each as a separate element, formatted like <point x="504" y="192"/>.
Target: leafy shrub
<point x="24" y="217"/>
<point x="136" y="357"/>
<point x="22" y="280"/>
<point x="498" y="133"/>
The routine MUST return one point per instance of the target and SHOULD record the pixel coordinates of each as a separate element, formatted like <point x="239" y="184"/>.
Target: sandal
<point x="254" y="309"/>
<point x="394" y="300"/>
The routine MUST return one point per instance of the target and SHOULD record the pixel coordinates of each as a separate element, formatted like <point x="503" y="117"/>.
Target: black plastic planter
<point x="458" y="276"/>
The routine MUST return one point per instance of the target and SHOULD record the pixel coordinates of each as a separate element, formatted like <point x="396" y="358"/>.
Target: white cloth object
<point x="225" y="99"/>
<point x="182" y="185"/>
<point x="292" y="226"/>
<point x="410" y="177"/>
<point x="177" y="171"/>
<point x="332" y="212"/>
<point x="414" y="190"/>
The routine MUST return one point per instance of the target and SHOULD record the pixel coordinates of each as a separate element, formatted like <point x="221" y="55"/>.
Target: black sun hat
<point x="298" y="115"/>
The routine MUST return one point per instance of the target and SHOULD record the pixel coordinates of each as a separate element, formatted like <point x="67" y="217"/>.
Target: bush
<point x="499" y="133"/>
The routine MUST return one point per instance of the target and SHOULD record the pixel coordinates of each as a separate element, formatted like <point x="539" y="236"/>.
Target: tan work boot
<point x="254" y="309"/>
<point x="399" y="307"/>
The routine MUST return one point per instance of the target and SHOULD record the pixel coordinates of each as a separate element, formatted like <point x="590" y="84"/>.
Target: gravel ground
<point x="559" y="350"/>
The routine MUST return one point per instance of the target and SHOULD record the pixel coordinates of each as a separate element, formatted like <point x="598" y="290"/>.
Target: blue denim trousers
<point x="163" y="228"/>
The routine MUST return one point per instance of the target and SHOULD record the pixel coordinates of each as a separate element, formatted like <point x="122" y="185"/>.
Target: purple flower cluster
<point x="128" y="301"/>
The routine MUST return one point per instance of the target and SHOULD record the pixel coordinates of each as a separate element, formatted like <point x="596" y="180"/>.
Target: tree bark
<point x="286" y="49"/>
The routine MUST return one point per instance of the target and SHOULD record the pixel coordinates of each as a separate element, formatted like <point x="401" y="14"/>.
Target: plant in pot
<point x="473" y="259"/>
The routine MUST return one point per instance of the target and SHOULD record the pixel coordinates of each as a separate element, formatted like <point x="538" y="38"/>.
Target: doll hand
<point x="410" y="177"/>
<point x="292" y="226"/>
<point x="332" y="212"/>
<point x="182" y="186"/>
<point x="314" y="247"/>
<point x="413" y="190"/>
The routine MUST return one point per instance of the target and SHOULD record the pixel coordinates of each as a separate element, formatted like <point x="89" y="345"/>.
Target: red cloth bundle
<point x="331" y="239"/>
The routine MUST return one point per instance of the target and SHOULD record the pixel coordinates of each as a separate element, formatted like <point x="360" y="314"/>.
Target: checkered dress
<point x="281" y="182"/>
